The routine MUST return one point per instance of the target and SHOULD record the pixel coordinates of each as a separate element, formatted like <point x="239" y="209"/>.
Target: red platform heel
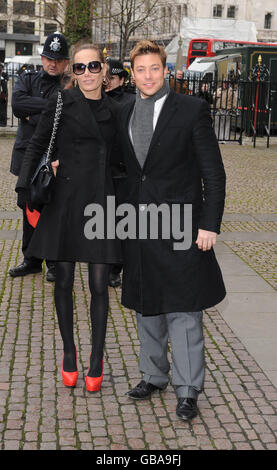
<point x="93" y="384"/>
<point x="70" y="378"/>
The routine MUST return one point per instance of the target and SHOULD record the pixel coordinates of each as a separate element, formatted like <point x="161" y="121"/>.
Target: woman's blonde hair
<point x="81" y="46"/>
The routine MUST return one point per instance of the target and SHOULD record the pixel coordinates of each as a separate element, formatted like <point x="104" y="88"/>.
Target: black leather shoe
<point x="25" y="268"/>
<point x="143" y="390"/>
<point x="114" y="280"/>
<point x="187" y="408"/>
<point x="51" y="274"/>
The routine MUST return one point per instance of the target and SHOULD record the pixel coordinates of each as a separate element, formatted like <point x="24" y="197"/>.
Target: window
<point x="231" y="12"/>
<point x="23" y="48"/>
<point x="217" y="12"/>
<point x="169" y="15"/>
<point x="185" y="10"/>
<point x="3" y="6"/>
<point x="49" y="28"/>
<point x="22" y="27"/>
<point x="50" y="10"/>
<point x="181" y="11"/>
<point x="163" y="17"/>
<point x="23" y="8"/>
<point x="267" y="21"/>
<point x="3" y="26"/>
<point x="179" y="16"/>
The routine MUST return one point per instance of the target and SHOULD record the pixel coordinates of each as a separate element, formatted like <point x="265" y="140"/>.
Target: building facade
<point x="163" y="22"/>
<point x="24" y="25"/>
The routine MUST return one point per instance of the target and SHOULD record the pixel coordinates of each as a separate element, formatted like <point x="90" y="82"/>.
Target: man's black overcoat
<point x="83" y="178"/>
<point x="183" y="166"/>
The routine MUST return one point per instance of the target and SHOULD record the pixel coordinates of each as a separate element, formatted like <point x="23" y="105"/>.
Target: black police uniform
<point x="121" y="96"/>
<point x="29" y="98"/>
<point x="3" y="98"/>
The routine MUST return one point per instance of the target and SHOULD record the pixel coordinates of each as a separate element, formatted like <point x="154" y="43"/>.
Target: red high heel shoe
<point x="70" y="378"/>
<point x="93" y="384"/>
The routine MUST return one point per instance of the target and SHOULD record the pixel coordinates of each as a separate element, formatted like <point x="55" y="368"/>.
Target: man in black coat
<point x="3" y="96"/>
<point x="29" y="98"/>
<point x="115" y="77"/>
<point x="172" y="163"/>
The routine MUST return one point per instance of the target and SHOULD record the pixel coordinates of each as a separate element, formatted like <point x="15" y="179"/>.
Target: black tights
<point x="98" y="284"/>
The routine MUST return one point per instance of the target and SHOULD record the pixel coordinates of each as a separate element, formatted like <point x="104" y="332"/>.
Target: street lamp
<point x="179" y="58"/>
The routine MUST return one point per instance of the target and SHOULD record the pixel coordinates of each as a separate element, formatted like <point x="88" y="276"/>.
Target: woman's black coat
<point x="83" y="178"/>
<point x="183" y="166"/>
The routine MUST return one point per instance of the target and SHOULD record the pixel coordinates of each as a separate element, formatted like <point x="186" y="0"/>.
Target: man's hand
<point x="205" y="240"/>
<point x="55" y="165"/>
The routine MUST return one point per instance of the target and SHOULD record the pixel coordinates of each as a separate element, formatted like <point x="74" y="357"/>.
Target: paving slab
<point x="248" y="302"/>
<point x="248" y="236"/>
<point x="11" y="234"/>
<point x="264" y="350"/>
<point x="231" y="264"/>
<point x="230" y="217"/>
<point x="237" y="217"/>
<point x="16" y="214"/>
<point x="250" y="309"/>
<point x="238" y="407"/>
<point x="246" y="283"/>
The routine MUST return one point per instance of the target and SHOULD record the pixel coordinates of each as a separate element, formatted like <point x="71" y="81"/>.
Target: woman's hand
<point x="55" y="165"/>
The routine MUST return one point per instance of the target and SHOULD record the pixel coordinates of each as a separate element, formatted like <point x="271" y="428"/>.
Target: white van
<point x="15" y="63"/>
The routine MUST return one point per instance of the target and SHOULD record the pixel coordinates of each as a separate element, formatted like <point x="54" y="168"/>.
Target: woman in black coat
<point x="84" y="143"/>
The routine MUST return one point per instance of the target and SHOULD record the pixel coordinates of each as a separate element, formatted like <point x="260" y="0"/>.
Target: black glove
<point x="23" y="198"/>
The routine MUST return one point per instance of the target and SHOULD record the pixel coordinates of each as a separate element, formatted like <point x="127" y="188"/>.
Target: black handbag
<point x="43" y="178"/>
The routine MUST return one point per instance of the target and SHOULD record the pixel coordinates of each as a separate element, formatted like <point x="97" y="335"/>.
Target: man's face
<point x="179" y="74"/>
<point x="114" y="82"/>
<point x="53" y="67"/>
<point x="149" y="74"/>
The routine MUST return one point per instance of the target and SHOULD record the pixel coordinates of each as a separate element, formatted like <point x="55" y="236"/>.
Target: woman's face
<point x="89" y="83"/>
<point x="114" y="82"/>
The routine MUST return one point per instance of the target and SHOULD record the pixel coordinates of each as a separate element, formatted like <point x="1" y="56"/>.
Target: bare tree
<point x="124" y="17"/>
<point x="53" y="10"/>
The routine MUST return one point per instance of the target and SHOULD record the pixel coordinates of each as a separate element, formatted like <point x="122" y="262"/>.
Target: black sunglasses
<point x="94" y="67"/>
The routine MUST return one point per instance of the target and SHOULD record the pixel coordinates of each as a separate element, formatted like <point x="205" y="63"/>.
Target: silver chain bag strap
<point x="43" y="179"/>
<point x="57" y="117"/>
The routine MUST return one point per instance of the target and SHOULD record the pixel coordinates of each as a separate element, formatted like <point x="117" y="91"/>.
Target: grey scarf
<point x="142" y="122"/>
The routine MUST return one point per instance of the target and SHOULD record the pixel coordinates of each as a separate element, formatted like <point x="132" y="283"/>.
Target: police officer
<point x="115" y="77"/>
<point x="3" y="96"/>
<point x="29" y="98"/>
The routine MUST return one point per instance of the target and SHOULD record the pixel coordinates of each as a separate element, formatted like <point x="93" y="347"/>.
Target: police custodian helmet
<point x="116" y="68"/>
<point x="55" y="47"/>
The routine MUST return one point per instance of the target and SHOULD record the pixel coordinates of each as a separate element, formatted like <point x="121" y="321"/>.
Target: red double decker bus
<point x="208" y="47"/>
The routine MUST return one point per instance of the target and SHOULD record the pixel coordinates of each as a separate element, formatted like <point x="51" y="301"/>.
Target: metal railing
<point x="242" y="108"/>
<point x="238" y="109"/>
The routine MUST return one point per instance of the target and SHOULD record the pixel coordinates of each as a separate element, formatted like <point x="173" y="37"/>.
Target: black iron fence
<point x="242" y="108"/>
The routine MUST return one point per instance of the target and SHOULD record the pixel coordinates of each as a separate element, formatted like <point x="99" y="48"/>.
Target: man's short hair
<point x="147" y="47"/>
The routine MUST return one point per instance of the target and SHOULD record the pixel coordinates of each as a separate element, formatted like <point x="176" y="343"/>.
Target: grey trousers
<point x="184" y="330"/>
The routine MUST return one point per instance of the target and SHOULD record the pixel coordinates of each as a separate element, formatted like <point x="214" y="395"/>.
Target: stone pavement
<point x="239" y="403"/>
